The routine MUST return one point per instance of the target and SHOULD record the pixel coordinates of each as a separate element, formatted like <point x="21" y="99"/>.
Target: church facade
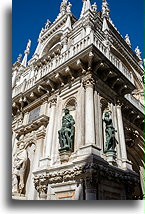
<point x="78" y="115"/>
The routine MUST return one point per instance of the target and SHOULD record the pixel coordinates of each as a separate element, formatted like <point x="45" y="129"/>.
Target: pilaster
<point x="88" y="83"/>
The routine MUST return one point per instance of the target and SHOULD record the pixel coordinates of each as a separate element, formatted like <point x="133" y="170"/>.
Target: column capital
<point x="53" y="100"/>
<point x="119" y="103"/>
<point x="88" y="81"/>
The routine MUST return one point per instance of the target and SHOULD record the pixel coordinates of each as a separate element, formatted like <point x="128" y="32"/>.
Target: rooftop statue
<point x="63" y="6"/>
<point x="127" y="40"/>
<point x="110" y="133"/>
<point x="138" y="52"/>
<point x="69" y="6"/>
<point x="94" y="7"/>
<point x="28" y="46"/>
<point x="105" y="9"/>
<point x="19" y="59"/>
<point x="66" y="133"/>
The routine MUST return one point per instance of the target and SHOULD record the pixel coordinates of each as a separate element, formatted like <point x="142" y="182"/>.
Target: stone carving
<point x="68" y="9"/>
<point x="127" y="40"/>
<point x="105" y="9"/>
<point x="63" y="6"/>
<point x="47" y="25"/>
<point x="92" y="171"/>
<point x="19" y="59"/>
<point x="94" y="7"/>
<point x="19" y="169"/>
<point x="28" y="46"/>
<point x="41" y="185"/>
<point x="110" y="133"/>
<point x="138" y="52"/>
<point x="66" y="134"/>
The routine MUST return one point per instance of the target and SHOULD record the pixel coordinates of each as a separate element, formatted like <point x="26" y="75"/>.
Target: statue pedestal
<point x="44" y="162"/>
<point x="64" y="155"/>
<point x="18" y="196"/>
<point x="111" y="157"/>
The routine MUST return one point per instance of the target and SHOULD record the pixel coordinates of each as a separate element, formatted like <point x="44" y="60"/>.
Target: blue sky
<point x="29" y="16"/>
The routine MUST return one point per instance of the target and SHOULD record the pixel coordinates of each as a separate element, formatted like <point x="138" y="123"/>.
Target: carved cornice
<point x="92" y="172"/>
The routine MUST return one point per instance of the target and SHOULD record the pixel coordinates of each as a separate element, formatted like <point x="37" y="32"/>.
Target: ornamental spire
<point x="26" y="52"/>
<point x="86" y="6"/>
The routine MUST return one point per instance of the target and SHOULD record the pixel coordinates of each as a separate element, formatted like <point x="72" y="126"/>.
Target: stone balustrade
<point x="135" y="102"/>
<point x="58" y="60"/>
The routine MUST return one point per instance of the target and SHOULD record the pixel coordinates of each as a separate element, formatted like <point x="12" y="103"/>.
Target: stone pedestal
<point x="111" y="157"/>
<point x="18" y="196"/>
<point x="64" y="156"/>
<point x="44" y="162"/>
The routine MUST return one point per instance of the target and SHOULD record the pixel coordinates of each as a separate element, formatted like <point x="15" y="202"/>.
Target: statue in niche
<point x="19" y="169"/>
<point x="66" y="133"/>
<point x="110" y="133"/>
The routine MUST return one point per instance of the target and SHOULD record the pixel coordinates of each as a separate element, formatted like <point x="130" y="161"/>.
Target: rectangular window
<point x="34" y="114"/>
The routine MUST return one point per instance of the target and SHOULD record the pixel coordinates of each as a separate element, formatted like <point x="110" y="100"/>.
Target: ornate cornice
<point x="91" y="171"/>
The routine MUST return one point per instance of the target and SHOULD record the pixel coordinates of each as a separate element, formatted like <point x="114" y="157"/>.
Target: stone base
<point x="44" y="162"/>
<point x="18" y="196"/>
<point x="126" y="165"/>
<point x="64" y="156"/>
<point x="111" y="157"/>
<point x="89" y="150"/>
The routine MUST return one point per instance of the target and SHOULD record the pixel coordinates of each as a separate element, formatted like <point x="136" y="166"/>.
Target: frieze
<point x="92" y="171"/>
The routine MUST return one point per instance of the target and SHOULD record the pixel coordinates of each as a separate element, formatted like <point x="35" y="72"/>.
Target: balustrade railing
<point x="135" y="102"/>
<point x="75" y="49"/>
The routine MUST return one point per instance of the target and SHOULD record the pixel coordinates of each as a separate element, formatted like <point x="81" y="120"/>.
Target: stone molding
<point x="35" y="125"/>
<point x="91" y="172"/>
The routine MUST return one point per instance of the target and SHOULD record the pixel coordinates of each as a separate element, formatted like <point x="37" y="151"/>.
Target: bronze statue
<point x="66" y="133"/>
<point x="110" y="133"/>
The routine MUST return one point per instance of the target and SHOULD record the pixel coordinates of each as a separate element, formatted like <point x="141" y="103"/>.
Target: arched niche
<point x="52" y="45"/>
<point x="71" y="104"/>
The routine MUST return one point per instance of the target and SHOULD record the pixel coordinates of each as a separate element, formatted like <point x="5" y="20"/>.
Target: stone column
<point x="40" y="135"/>
<point x="90" y="189"/>
<point x="89" y="111"/>
<point x="121" y="136"/>
<point x="48" y="147"/>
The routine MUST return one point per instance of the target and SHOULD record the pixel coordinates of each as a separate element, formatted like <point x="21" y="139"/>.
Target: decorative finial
<point x="94" y="7"/>
<point x="138" y="52"/>
<point x="27" y="51"/>
<point x="127" y="40"/>
<point x="86" y="6"/>
<point x="105" y="9"/>
<point x="19" y="59"/>
<point x="47" y="25"/>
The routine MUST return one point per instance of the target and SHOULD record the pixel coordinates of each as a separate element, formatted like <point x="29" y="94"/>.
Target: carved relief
<point x="19" y="169"/>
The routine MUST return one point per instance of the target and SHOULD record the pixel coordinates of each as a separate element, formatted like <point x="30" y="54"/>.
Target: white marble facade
<point x="86" y="66"/>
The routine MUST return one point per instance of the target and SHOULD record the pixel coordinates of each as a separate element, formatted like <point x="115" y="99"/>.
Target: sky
<point x="29" y="16"/>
